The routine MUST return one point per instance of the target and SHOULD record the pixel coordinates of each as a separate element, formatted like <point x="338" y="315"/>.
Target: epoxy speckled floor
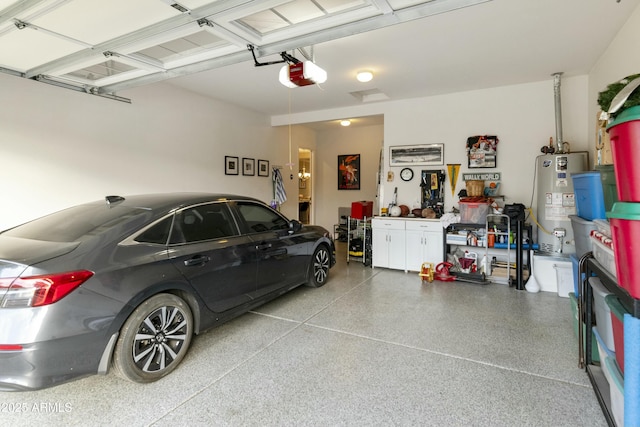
<point x="372" y="347"/>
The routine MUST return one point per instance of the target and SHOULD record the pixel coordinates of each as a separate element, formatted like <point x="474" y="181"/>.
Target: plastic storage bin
<point x="564" y="278"/>
<point x="361" y="210"/>
<point x="616" y="391"/>
<point x="624" y="133"/>
<point x="581" y="231"/>
<point x="603" y="226"/>
<point x="587" y="187"/>
<point x="617" y="323"/>
<point x="625" y="232"/>
<point x="575" y="264"/>
<point x="603" y="312"/>
<point x="603" y="252"/>
<point x="473" y="212"/>
<point x="609" y="187"/>
<point x="603" y="353"/>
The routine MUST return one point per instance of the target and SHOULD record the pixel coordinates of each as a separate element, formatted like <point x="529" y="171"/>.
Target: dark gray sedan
<point x="126" y="282"/>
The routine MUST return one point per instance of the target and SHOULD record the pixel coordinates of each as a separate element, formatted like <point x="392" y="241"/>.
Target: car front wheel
<point x="154" y="339"/>
<point x="320" y="264"/>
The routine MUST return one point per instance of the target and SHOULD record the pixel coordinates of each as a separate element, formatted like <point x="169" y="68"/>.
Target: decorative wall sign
<point x="231" y="165"/>
<point x="248" y="166"/>
<point x="263" y="167"/>
<point x="416" y="155"/>
<point x="482" y="151"/>
<point x="488" y="176"/>
<point x="349" y="172"/>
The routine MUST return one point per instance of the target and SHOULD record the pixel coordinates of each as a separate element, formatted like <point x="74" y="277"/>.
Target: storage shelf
<point x="522" y="266"/>
<point x="589" y="266"/>
<point x="359" y="229"/>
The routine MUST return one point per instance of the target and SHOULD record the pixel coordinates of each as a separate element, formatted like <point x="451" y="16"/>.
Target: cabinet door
<point x="415" y="249"/>
<point x="380" y="248"/>
<point x="396" y="251"/>
<point x="433" y="245"/>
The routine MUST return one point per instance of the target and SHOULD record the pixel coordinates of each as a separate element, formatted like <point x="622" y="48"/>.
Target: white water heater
<point x="556" y="200"/>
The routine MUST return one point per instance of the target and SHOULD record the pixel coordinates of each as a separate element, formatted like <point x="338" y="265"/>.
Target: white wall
<point x="288" y="141"/>
<point x="366" y="141"/>
<point x="621" y="59"/>
<point x="522" y="116"/>
<point x="59" y="147"/>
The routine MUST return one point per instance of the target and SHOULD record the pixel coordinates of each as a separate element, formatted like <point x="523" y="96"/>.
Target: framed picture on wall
<point x="349" y="172"/>
<point x="482" y="151"/>
<point x="231" y="165"/>
<point x="263" y="167"/>
<point x="248" y="166"/>
<point x="416" y="155"/>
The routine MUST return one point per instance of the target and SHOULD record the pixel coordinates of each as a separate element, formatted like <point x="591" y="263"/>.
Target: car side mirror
<point x="294" y="226"/>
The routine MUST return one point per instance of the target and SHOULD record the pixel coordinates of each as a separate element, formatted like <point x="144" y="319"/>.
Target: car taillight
<point x="35" y="291"/>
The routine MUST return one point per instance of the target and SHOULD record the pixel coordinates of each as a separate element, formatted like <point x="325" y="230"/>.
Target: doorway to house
<point x="305" y="179"/>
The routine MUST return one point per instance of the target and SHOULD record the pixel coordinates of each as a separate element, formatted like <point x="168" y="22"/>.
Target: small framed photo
<point x="231" y="165"/>
<point x="263" y="167"/>
<point x="248" y="166"/>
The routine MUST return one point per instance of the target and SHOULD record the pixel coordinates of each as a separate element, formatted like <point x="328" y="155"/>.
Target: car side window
<point x="158" y="234"/>
<point x="260" y="218"/>
<point x="203" y="222"/>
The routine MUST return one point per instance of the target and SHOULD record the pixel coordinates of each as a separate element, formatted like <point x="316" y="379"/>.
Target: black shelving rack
<point x="589" y="267"/>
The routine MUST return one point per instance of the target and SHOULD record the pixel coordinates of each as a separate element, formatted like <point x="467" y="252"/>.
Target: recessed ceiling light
<point x="345" y="122"/>
<point x="364" y="76"/>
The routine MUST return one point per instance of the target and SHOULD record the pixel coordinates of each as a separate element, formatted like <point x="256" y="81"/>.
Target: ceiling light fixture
<point x="302" y="74"/>
<point x="364" y="76"/>
<point x="303" y="174"/>
<point x="345" y="122"/>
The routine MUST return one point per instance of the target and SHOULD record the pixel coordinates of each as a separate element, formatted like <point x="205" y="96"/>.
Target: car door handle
<point x="197" y="260"/>
<point x="264" y="246"/>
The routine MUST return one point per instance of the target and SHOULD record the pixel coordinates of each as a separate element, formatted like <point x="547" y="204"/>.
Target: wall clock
<point x="406" y="174"/>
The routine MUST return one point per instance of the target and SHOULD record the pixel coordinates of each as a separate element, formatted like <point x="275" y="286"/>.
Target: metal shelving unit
<point x="499" y="234"/>
<point x="359" y="229"/>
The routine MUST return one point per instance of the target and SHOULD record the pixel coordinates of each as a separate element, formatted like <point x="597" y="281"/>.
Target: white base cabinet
<point x="404" y="244"/>
<point x="424" y="243"/>
<point x="388" y="243"/>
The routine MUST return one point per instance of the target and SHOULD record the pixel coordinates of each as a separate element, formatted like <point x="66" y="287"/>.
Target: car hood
<point x="17" y="253"/>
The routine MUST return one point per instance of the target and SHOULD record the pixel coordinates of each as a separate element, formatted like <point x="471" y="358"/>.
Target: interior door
<point x="207" y="248"/>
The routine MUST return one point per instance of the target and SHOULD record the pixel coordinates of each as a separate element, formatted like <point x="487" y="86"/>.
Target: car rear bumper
<point x="44" y="364"/>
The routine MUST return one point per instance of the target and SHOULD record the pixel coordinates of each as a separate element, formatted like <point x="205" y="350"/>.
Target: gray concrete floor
<point x="372" y="347"/>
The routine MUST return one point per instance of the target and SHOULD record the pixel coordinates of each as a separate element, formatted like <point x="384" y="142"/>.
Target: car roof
<point x="169" y="201"/>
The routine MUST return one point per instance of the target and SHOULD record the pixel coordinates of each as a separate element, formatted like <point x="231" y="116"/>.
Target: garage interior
<point x="122" y="98"/>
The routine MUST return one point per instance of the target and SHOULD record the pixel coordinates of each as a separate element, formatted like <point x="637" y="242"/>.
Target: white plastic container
<point x="616" y="390"/>
<point x="603" y="313"/>
<point x="603" y="352"/>
<point x="603" y="226"/>
<point x="547" y="273"/>
<point x="564" y="278"/>
<point x="581" y="230"/>
<point x="604" y="255"/>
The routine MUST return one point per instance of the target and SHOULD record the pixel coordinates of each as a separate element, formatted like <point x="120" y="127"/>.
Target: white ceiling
<point x="415" y="48"/>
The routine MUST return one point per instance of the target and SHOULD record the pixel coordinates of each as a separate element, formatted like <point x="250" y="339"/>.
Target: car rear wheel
<point x="154" y="339"/>
<point x="320" y="264"/>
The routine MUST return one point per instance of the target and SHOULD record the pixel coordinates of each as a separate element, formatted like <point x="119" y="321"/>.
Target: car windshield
<point x="73" y="224"/>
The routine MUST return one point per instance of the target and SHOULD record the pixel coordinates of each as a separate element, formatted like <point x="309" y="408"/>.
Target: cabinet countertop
<point x="406" y="218"/>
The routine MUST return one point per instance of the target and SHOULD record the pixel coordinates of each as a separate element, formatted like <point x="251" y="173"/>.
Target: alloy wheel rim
<point x="159" y="339"/>
<point x="321" y="266"/>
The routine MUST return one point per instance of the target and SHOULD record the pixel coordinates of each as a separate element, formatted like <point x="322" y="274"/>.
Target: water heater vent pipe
<point x="558" y="110"/>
